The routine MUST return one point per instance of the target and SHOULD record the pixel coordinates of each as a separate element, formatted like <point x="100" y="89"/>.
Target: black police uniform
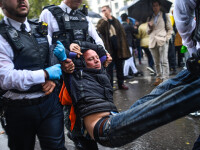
<point x="43" y="116"/>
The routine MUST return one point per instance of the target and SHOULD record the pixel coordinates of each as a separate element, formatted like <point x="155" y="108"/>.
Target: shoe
<point x="123" y="87"/>
<point x="172" y="72"/>
<point x="150" y="69"/>
<point x="152" y="74"/>
<point x="138" y="74"/>
<point x="196" y="113"/>
<point x="157" y="82"/>
<point x="128" y="77"/>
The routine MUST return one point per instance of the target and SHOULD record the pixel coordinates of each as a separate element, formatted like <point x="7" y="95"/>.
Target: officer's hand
<point x="59" y="51"/>
<point x="48" y="87"/>
<point x="54" y="72"/>
<point x="75" y="48"/>
<point x="68" y="66"/>
<point x="108" y="60"/>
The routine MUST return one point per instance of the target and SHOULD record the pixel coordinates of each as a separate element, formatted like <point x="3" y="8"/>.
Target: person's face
<point x="156" y="7"/>
<point x="15" y="8"/>
<point x="73" y="4"/>
<point x="105" y="11"/>
<point x="92" y="59"/>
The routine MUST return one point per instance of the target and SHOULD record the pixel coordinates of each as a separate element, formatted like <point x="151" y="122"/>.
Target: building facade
<point x="116" y="5"/>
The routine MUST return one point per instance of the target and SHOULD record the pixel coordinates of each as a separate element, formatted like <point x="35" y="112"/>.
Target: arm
<point x="101" y="26"/>
<point x="11" y="78"/>
<point x="169" y="28"/>
<point x="185" y="23"/>
<point x="93" y="33"/>
<point x="150" y="25"/>
<point x="139" y="34"/>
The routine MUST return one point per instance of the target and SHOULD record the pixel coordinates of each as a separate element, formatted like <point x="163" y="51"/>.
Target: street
<point x="178" y="135"/>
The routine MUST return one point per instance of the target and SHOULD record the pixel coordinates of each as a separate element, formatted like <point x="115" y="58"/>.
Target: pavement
<point x="177" y="135"/>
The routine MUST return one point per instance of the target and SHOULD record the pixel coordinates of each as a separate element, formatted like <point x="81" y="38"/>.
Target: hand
<point x="104" y="18"/>
<point x="108" y="60"/>
<point x="59" y="51"/>
<point x="150" y="24"/>
<point x="54" y="72"/>
<point x="48" y="87"/>
<point x="68" y="66"/>
<point x="75" y="48"/>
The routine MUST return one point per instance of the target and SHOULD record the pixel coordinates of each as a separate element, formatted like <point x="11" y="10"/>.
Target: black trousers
<point x="44" y="120"/>
<point x="118" y="63"/>
<point x="172" y="55"/>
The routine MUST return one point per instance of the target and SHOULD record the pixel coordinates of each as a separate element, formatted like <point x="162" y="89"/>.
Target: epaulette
<point x="48" y="6"/>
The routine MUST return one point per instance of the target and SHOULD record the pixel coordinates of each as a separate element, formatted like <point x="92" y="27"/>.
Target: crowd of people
<point x="157" y="38"/>
<point x="64" y="48"/>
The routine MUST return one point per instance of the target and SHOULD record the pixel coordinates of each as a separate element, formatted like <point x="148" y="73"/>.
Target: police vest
<point x="72" y="26"/>
<point x="30" y="49"/>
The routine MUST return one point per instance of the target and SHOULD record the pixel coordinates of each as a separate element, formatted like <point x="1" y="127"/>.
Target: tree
<point x="36" y="6"/>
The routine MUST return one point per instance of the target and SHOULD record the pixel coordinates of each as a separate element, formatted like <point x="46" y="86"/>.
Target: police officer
<point x="68" y="24"/>
<point x="189" y="29"/>
<point x="31" y="106"/>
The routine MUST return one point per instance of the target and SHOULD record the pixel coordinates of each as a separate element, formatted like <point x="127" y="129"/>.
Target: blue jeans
<point x="149" y="56"/>
<point x="169" y="101"/>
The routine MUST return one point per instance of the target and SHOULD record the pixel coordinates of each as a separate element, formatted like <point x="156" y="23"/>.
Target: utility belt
<point x="23" y="102"/>
<point x="5" y="103"/>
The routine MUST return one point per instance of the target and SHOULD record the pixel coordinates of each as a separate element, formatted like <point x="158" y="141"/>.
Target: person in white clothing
<point x="130" y="31"/>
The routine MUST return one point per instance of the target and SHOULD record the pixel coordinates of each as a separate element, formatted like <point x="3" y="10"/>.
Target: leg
<point x="126" y="67"/>
<point x="109" y="70"/>
<point x="80" y="142"/>
<point x="21" y="127"/>
<point x="163" y="52"/>
<point x="150" y="58"/>
<point x="126" y="126"/>
<point x="51" y="128"/>
<point x="180" y="79"/>
<point x="131" y="62"/>
<point x="139" y="54"/>
<point x="172" y="56"/>
<point x="156" y="57"/>
<point x="119" y="69"/>
<point x="180" y="56"/>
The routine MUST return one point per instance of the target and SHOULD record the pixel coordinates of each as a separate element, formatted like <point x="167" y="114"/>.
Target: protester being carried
<point x="93" y="102"/>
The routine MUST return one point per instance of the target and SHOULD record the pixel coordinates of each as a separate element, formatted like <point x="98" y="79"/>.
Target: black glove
<point x="193" y="63"/>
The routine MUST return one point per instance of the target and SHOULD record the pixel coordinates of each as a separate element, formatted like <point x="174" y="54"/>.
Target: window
<point x="125" y="3"/>
<point x="99" y="10"/>
<point x="116" y="6"/>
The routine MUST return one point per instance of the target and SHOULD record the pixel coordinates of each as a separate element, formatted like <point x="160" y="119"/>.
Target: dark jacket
<point x="91" y="92"/>
<point x="130" y="31"/>
<point x="122" y="44"/>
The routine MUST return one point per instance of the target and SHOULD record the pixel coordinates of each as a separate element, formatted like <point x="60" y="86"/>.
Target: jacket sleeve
<point x="169" y="28"/>
<point x="185" y="23"/>
<point x="101" y="26"/>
